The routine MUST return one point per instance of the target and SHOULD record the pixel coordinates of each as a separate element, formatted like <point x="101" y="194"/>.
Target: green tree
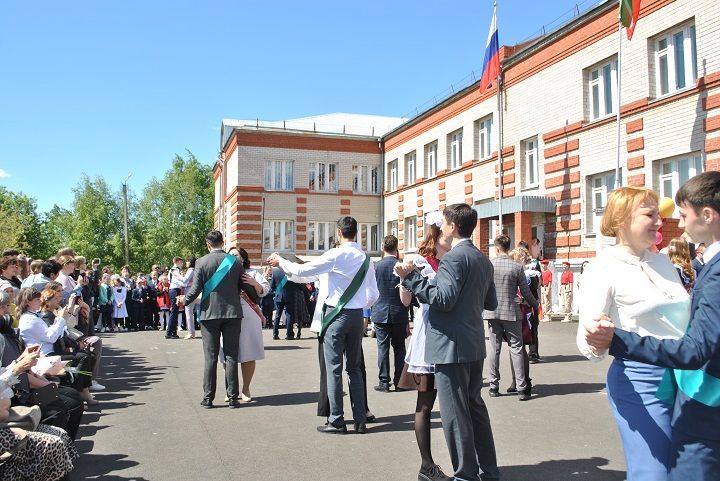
<point x="174" y="213"/>
<point x="31" y="237"/>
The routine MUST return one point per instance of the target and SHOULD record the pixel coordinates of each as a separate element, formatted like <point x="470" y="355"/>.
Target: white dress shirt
<point x="177" y="281"/>
<point x="341" y="264"/>
<point x="641" y="295"/>
<point x="710" y="252"/>
<point x="34" y="330"/>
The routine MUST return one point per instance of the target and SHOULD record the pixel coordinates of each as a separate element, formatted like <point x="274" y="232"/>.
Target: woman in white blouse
<point x="641" y="291"/>
<point x="251" y="341"/>
<point x="33" y="329"/>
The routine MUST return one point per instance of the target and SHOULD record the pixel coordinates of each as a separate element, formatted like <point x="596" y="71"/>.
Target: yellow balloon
<point x="666" y="206"/>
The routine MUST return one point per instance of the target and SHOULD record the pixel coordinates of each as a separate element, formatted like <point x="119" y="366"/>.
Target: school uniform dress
<point x="251" y="338"/>
<point x="644" y="296"/>
<point x="119" y="304"/>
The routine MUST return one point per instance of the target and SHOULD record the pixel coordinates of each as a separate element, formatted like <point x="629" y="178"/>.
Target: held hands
<point x="27" y="359"/>
<point x="273" y="260"/>
<point x="402" y="270"/>
<point x="599" y="333"/>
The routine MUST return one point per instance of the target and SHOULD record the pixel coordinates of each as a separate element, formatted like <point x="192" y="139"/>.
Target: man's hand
<point x="402" y="270"/>
<point x="273" y="260"/>
<point x="599" y="333"/>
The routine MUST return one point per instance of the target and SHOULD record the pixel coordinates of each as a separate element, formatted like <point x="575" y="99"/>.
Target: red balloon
<point x="658" y="238"/>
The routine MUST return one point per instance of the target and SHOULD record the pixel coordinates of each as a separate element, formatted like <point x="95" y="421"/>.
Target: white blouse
<point x="33" y="330"/>
<point x="641" y="295"/>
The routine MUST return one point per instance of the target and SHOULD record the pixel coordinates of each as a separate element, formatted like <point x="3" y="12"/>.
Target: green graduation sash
<point x="279" y="288"/>
<point x="328" y="317"/>
<point x="219" y="274"/>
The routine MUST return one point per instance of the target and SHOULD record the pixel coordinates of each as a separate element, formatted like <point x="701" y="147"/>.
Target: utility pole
<point x="125" y="219"/>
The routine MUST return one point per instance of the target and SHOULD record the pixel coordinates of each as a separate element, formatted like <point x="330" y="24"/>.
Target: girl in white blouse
<point x="640" y="290"/>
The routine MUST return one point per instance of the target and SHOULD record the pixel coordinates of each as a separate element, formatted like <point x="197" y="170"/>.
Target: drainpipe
<point x="381" y="183"/>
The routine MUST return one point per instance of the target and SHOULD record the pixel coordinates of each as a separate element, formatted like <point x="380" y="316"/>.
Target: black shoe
<point x="534" y="359"/>
<point x="401" y="389"/>
<point x="206" y="404"/>
<point x="360" y="428"/>
<point x="331" y="428"/>
<point x="433" y="474"/>
<point x="291" y="337"/>
<point x="494" y="393"/>
<point x="172" y="336"/>
<point x="511" y="390"/>
<point x="370" y="418"/>
<point x="524" y="396"/>
<point x="276" y="337"/>
<point x="234" y="404"/>
<point x="382" y="387"/>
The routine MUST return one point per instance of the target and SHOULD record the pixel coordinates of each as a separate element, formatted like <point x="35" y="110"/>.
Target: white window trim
<point x="271" y="167"/>
<point x="695" y="160"/>
<point x="331" y="185"/>
<point x="364" y="243"/>
<point x="689" y="64"/>
<point x="393" y="174"/>
<point x="410" y="167"/>
<point x="526" y="163"/>
<point x="595" y="212"/>
<point x="431" y="167"/>
<point x="314" y="231"/>
<point x="392" y="228"/>
<point x="365" y="179"/>
<point x="485" y="136"/>
<point x="456" y="155"/>
<point x="410" y="234"/>
<point x="602" y="94"/>
<point x="281" y="224"/>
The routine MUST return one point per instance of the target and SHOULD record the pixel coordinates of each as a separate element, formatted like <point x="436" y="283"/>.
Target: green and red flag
<point x="629" y="12"/>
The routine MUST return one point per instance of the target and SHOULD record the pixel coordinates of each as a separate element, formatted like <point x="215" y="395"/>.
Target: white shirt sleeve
<point x="321" y="265"/>
<point x="35" y="330"/>
<point x="263" y="283"/>
<point x="596" y="298"/>
<point x="370" y="285"/>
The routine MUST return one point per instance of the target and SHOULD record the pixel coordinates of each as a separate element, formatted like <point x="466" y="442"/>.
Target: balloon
<point x="666" y="207"/>
<point x="658" y="238"/>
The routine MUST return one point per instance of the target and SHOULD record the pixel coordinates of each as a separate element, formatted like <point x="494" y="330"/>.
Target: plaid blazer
<point x="509" y="277"/>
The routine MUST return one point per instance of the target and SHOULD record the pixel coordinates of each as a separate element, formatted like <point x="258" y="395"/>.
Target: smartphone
<point x="78" y="292"/>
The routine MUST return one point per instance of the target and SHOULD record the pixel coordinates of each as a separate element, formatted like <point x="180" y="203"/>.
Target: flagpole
<point x="618" y="182"/>
<point x="500" y="148"/>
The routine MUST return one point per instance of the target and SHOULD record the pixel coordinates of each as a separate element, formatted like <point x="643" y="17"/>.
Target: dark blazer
<point x="698" y="266"/>
<point x="462" y="288"/>
<point x="277" y="276"/>
<point x="224" y="301"/>
<point x="699" y="348"/>
<point x="508" y="277"/>
<point x="388" y="309"/>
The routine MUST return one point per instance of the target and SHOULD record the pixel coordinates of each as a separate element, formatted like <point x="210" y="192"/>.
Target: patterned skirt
<point x="48" y="455"/>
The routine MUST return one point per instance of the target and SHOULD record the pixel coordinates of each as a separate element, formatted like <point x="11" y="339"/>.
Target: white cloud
<point x="4" y="174"/>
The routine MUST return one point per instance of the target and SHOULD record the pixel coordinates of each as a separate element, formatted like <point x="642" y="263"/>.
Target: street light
<point x="125" y="219"/>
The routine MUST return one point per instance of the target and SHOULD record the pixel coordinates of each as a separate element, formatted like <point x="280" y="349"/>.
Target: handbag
<point x="44" y="395"/>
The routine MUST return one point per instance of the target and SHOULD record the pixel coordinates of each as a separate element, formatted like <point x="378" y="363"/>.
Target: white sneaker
<point x="96" y="386"/>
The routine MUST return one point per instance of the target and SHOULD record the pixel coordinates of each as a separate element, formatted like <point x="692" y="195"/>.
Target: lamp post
<point x="125" y="219"/>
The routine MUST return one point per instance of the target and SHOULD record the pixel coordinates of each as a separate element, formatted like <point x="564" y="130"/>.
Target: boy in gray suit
<point x="455" y="343"/>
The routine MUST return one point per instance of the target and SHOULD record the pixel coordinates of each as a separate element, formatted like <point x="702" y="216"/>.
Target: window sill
<point x="673" y="93"/>
<point x="602" y="118"/>
<point x="530" y="187"/>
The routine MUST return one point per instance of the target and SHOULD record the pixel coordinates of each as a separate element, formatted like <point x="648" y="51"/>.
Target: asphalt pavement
<point x="149" y="424"/>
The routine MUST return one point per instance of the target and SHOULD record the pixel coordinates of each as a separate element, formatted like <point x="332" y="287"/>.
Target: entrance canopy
<point x="518" y="203"/>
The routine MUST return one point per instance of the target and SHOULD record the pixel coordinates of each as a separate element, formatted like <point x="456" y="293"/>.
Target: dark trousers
<point x="289" y="318"/>
<point x="465" y="420"/>
<point x="534" y="323"/>
<point x="212" y="330"/>
<point x="268" y="306"/>
<point x="106" y="316"/>
<point x="65" y="412"/>
<point x="323" y="407"/>
<point x="171" y="328"/>
<point x="390" y="334"/>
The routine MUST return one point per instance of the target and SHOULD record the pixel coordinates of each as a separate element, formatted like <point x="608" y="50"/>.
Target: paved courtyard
<point x="149" y="425"/>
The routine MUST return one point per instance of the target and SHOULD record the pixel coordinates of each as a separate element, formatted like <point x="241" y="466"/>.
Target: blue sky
<point x="106" y="88"/>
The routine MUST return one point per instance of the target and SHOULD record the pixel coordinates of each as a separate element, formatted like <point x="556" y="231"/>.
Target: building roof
<point x="335" y="123"/>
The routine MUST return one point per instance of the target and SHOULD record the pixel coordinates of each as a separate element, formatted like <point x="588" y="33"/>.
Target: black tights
<point x="423" y="410"/>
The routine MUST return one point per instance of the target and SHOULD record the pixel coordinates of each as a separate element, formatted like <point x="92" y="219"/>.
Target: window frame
<point x="270" y="225"/>
<point x="601" y="82"/>
<point x="314" y="235"/>
<point x="321" y="172"/>
<point x="271" y="167"/>
<point x="455" y="149"/>
<point x="603" y="189"/>
<point x="696" y="165"/>
<point x="365" y="179"/>
<point x="668" y="53"/>
<point x="393" y="174"/>
<point x="410" y="233"/>
<point x="410" y="167"/>
<point x="483" y="131"/>
<point x="365" y="243"/>
<point x="431" y="159"/>
<point x="526" y="163"/>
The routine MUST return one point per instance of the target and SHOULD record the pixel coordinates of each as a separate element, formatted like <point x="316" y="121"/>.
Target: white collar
<point x="711" y="251"/>
<point x="456" y="243"/>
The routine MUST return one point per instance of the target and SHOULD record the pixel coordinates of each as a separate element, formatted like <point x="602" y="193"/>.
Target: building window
<point x="365" y="179"/>
<point x="483" y="138"/>
<point x="431" y="160"/>
<point x="410" y="233"/>
<point x="323" y="177"/>
<point x="675" y="61"/>
<point x="672" y="173"/>
<point x="279" y="175"/>
<point x="602" y="90"/>
<point x="599" y="186"/>
<point x="410" y="164"/>
<point x="321" y="236"/>
<point x="392" y="228"/>
<point x="530" y="165"/>
<point x="278" y="235"/>
<point x="369" y="237"/>
<point x="455" y="149"/>
<point x="393" y="175"/>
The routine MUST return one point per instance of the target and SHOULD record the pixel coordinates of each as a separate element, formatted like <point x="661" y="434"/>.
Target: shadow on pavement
<point x="288" y="399"/>
<point x="284" y="348"/>
<point x="401" y="422"/>
<point x="563" y="358"/>
<point x="563" y="470"/>
<point x="123" y="373"/>
<point x="545" y="390"/>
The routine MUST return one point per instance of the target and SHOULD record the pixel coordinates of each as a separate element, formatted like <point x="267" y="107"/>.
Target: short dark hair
<point x="10" y="252"/>
<point x="348" y="227"/>
<point x="463" y="216"/>
<point x="214" y="238"/>
<point x="245" y="258"/>
<point x="49" y="267"/>
<point x="703" y="190"/>
<point x="502" y="242"/>
<point x="390" y="244"/>
<point x="191" y="260"/>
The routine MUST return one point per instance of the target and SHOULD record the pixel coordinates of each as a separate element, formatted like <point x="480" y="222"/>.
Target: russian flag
<point x="491" y="63"/>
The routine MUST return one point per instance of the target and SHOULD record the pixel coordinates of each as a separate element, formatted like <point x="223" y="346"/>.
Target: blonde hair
<point x="520" y="255"/>
<point x="679" y="253"/>
<point x="65" y="260"/>
<point x="620" y="205"/>
<point x="47" y="295"/>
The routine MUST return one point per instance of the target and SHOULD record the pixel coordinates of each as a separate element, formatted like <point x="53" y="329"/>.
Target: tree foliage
<point x="171" y="218"/>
